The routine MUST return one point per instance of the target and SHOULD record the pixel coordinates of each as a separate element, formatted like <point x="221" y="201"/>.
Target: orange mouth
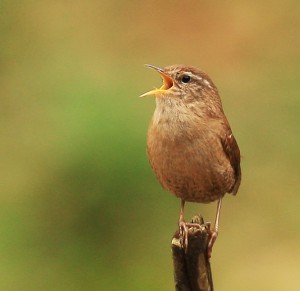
<point x="167" y="83"/>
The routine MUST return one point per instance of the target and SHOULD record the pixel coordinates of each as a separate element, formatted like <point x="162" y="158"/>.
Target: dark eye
<point x="185" y="78"/>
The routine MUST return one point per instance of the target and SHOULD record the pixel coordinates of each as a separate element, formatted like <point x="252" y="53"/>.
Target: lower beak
<point x="167" y="82"/>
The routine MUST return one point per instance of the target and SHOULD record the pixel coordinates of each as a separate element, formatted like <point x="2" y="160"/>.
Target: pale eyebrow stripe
<point x="205" y="81"/>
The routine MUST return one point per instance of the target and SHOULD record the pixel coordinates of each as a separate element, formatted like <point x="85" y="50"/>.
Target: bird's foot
<point x="184" y="231"/>
<point x="212" y="238"/>
<point x="183" y="234"/>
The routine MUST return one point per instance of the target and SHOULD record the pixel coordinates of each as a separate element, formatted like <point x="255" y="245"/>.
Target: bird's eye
<point x="185" y="78"/>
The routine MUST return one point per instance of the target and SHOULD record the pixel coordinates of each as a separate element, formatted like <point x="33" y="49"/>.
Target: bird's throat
<point x="172" y="116"/>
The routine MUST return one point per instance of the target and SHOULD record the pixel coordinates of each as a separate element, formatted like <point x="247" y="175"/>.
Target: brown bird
<point x="190" y="145"/>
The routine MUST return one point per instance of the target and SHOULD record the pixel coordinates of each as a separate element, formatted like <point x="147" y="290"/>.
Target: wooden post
<point x="191" y="267"/>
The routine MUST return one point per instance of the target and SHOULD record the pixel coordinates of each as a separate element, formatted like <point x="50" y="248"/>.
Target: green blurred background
<point x="80" y="208"/>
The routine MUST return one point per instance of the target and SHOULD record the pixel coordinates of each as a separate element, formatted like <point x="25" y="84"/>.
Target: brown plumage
<point x="190" y="146"/>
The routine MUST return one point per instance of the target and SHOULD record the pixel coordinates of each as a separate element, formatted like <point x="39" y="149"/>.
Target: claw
<point x="184" y="228"/>
<point x="212" y="239"/>
<point x="183" y="232"/>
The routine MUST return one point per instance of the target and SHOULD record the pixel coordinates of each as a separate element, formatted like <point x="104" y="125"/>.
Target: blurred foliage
<point x="80" y="207"/>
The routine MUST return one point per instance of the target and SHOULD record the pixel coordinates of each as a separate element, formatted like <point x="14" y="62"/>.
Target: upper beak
<point x="167" y="82"/>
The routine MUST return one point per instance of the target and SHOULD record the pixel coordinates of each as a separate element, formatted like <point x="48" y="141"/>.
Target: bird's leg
<point x="183" y="230"/>
<point x="214" y="232"/>
<point x="184" y="227"/>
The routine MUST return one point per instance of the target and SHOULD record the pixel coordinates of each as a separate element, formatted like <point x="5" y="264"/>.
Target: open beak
<point x="167" y="82"/>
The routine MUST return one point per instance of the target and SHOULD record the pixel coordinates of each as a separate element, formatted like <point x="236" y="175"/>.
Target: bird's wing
<point x="232" y="151"/>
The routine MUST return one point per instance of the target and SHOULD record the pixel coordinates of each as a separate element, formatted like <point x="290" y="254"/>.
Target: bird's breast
<point x="183" y="153"/>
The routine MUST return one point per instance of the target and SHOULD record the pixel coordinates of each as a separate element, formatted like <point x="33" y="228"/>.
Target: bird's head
<point x="184" y="82"/>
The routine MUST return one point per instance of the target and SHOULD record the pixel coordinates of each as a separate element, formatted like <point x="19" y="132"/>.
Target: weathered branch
<point x="191" y="267"/>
